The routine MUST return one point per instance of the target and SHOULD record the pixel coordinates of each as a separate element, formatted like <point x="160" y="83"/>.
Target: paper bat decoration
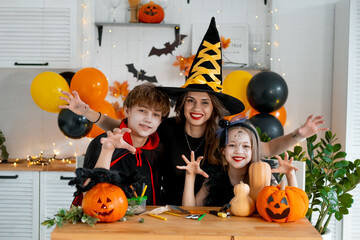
<point x="169" y="48"/>
<point x="140" y="75"/>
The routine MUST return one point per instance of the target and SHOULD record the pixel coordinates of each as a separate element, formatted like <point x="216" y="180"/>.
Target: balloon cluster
<point x="263" y="95"/>
<point x="92" y="87"/>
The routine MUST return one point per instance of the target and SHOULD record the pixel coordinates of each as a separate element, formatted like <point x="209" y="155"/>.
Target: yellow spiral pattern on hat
<point x="197" y="77"/>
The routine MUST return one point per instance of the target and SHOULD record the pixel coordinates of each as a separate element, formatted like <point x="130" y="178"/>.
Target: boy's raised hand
<point x="285" y="166"/>
<point x="75" y="104"/>
<point x="115" y="140"/>
<point x="193" y="166"/>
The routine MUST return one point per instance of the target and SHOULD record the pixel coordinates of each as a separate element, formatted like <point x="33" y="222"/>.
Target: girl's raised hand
<point x="193" y="166"/>
<point x="115" y="140"/>
<point x="285" y="166"/>
<point x="75" y="104"/>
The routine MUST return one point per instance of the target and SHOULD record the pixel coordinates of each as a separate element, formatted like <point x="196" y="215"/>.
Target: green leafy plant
<point x="4" y="153"/>
<point x="73" y="215"/>
<point x="329" y="179"/>
<point x="263" y="136"/>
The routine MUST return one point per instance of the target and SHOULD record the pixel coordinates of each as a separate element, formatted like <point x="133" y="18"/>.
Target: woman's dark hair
<point x="219" y="111"/>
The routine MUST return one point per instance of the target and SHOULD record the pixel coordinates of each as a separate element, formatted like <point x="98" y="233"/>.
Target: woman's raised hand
<point x="312" y="126"/>
<point x="115" y="140"/>
<point x="193" y="166"/>
<point x="75" y="104"/>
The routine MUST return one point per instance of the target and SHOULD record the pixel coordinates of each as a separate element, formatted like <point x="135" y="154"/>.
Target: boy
<point x="133" y="145"/>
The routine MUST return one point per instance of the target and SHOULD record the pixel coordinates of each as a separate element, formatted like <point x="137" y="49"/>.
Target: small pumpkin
<point x="282" y="204"/>
<point x="259" y="177"/>
<point x="151" y="13"/>
<point x="106" y="202"/>
<point x="242" y="204"/>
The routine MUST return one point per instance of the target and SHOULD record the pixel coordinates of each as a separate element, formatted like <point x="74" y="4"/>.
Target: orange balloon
<point x="279" y="114"/>
<point x="106" y="109"/>
<point x="253" y="112"/>
<point x="91" y="84"/>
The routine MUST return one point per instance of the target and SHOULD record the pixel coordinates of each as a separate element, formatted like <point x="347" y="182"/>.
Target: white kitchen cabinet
<point x="39" y="33"/>
<point x="19" y="205"/>
<point x="28" y="198"/>
<point x="55" y="193"/>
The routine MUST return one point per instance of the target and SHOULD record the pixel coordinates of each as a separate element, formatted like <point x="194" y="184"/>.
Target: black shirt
<point x="173" y="140"/>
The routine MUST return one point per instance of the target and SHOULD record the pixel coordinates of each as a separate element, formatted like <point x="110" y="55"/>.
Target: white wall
<point x="305" y="39"/>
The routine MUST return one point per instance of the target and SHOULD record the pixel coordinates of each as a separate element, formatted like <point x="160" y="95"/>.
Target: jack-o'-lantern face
<point x="151" y="13"/>
<point x="278" y="206"/>
<point x="282" y="204"/>
<point x="106" y="202"/>
<point x="105" y="207"/>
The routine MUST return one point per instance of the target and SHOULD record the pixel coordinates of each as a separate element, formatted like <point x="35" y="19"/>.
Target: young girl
<point x="239" y="146"/>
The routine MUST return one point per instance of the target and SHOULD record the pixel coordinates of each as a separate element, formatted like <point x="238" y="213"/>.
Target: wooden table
<point x="210" y="227"/>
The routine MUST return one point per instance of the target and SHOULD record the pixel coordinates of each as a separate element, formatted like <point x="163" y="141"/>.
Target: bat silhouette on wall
<point x="169" y="47"/>
<point x="140" y="75"/>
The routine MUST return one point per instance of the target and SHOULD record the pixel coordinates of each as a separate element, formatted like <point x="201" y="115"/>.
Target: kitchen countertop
<point x="55" y="165"/>
<point x="210" y="227"/>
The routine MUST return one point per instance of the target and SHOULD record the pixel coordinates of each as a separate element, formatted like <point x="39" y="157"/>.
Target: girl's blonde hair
<point x="254" y="140"/>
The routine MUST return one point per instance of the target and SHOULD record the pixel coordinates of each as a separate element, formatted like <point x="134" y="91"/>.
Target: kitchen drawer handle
<point x="31" y="64"/>
<point x="9" y="177"/>
<point x="66" y="178"/>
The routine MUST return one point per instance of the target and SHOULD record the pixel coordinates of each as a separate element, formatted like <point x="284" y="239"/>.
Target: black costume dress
<point x="145" y="161"/>
<point x="175" y="143"/>
<point x="221" y="191"/>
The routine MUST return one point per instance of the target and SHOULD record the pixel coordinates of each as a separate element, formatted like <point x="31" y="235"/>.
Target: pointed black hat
<point x="205" y="74"/>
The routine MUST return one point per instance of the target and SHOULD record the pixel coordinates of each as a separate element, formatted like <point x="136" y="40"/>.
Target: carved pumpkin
<point x="282" y="204"/>
<point x="106" y="202"/>
<point x="151" y="13"/>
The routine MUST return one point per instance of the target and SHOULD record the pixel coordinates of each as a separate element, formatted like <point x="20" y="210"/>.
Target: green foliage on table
<point x="73" y="215"/>
<point x="329" y="178"/>
<point x="4" y="153"/>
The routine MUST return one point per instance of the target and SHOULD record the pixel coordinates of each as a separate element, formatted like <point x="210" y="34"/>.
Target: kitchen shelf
<point x="100" y="26"/>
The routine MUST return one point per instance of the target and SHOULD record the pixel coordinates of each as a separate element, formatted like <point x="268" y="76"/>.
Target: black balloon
<point x="267" y="92"/>
<point x="268" y="124"/>
<point x="68" y="76"/>
<point x="73" y="125"/>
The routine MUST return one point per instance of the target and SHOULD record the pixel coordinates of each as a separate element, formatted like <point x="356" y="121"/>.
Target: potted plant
<point x="4" y="154"/>
<point x="329" y="179"/>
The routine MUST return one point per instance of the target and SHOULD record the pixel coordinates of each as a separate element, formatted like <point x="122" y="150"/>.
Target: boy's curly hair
<point x="146" y="94"/>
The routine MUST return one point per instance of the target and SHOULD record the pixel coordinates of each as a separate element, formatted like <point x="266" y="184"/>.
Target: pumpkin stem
<point x="282" y="185"/>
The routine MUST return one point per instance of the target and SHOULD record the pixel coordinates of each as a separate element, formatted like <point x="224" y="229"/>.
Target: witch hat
<point x="205" y="74"/>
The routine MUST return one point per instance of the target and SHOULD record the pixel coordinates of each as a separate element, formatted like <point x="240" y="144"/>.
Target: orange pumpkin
<point x="106" y="202"/>
<point x="259" y="177"/>
<point x="151" y="13"/>
<point x="282" y="204"/>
